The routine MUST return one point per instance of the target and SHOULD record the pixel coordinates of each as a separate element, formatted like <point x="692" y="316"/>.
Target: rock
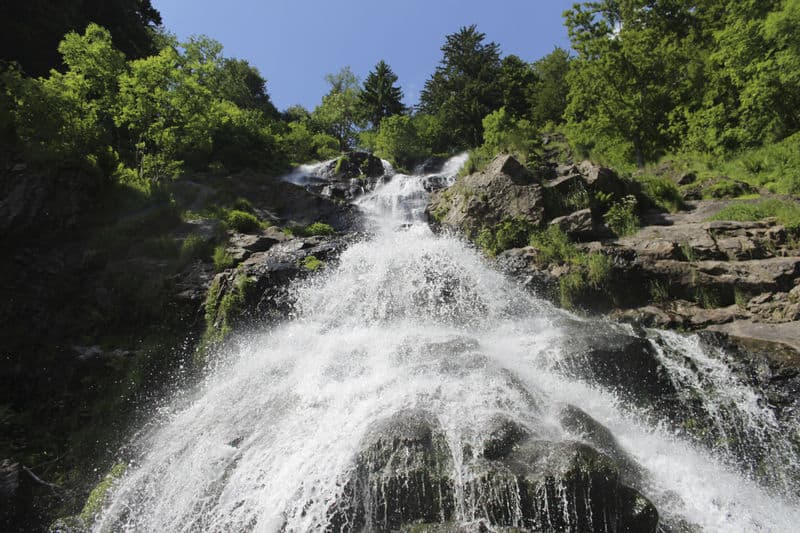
<point x="566" y="184"/>
<point x="431" y="165"/>
<point x="786" y="334"/>
<point x="685" y="178"/>
<point x="355" y="165"/>
<point x="564" y="486"/>
<point x="623" y="362"/>
<point x="581" y="226"/>
<point x="43" y="203"/>
<point x="503" y="435"/>
<point x="602" y="179"/>
<point x="504" y="191"/>
<point x="600" y="437"/>
<point x="260" y="282"/>
<point x="402" y="475"/>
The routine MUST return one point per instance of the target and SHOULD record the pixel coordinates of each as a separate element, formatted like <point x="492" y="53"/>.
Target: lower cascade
<point x="416" y="388"/>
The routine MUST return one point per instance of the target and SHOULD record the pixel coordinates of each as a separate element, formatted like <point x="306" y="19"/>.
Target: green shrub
<point x="318" y="228"/>
<point x="554" y="246"/>
<point x="242" y="221"/>
<point x="222" y="259"/>
<point x="598" y="271"/>
<point x="621" y="217"/>
<point x="659" y="291"/>
<point x="511" y="233"/>
<point x="662" y="192"/>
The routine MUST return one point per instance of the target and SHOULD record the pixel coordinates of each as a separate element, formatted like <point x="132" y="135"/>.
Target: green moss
<point x="224" y="310"/>
<point x="97" y="498"/>
<point x="311" y="263"/>
<point x="242" y="221"/>
<point x="342" y="161"/>
<point x="659" y="291"/>
<point x="317" y="228"/>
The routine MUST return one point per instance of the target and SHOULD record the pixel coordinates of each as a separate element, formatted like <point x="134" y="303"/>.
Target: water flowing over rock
<point x="413" y="387"/>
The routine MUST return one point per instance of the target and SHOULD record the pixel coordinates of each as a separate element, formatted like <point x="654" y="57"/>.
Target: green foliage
<point x="242" y="221"/>
<point x="510" y="233"/>
<point x="380" y="98"/>
<point x="223" y="311"/>
<point x="662" y="193"/>
<point x="311" y="263"/>
<point x="97" y="498"/>
<point x="554" y="246"/>
<point x="33" y="29"/>
<point x="659" y="291"/>
<point x="222" y="259"/>
<point x="589" y="273"/>
<point x="339" y="114"/>
<point x="786" y="211"/>
<point x="549" y="94"/>
<point x="464" y="88"/>
<point x="621" y="217"/>
<point x="317" y="228"/>
<point x="399" y="141"/>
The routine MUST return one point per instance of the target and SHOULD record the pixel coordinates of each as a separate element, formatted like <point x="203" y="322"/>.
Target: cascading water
<point x="409" y="319"/>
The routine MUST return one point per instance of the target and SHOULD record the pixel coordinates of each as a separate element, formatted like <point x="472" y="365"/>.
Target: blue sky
<point x="294" y="43"/>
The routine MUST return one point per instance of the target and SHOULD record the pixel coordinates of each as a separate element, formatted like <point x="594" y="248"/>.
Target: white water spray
<point x="407" y="319"/>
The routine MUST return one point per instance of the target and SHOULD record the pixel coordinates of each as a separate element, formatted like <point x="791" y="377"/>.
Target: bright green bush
<point x="242" y="221"/>
<point x="222" y="259"/>
<point x="318" y="228"/>
<point x="621" y="217"/>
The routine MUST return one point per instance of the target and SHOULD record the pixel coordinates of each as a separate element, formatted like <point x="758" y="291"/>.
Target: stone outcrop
<point x="505" y="190"/>
<point x="404" y="474"/>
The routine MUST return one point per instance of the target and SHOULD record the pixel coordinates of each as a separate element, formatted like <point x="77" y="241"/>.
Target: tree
<point x="517" y="79"/>
<point x="68" y="116"/>
<point x="31" y="30"/>
<point x="628" y="76"/>
<point x="338" y="114"/>
<point x="548" y="97"/>
<point x="380" y="98"/>
<point x="464" y="88"/>
<point x="399" y="142"/>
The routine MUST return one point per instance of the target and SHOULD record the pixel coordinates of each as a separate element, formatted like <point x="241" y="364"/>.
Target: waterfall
<point x="410" y="319"/>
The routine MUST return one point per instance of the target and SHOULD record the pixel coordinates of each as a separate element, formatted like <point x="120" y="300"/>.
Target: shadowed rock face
<point x="405" y="474"/>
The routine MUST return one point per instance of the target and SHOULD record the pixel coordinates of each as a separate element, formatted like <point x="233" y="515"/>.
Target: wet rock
<point x="402" y="475"/>
<point x="505" y="190"/>
<point x="564" y="486"/>
<point x="626" y="363"/>
<point x="503" y="435"/>
<point x="600" y="437"/>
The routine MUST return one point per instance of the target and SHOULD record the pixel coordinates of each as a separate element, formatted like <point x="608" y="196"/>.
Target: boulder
<point x="505" y="190"/>
<point x="402" y="475"/>
<point x="602" y="179"/>
<point x="581" y="226"/>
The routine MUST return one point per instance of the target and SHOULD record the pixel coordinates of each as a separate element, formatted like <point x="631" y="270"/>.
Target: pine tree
<point x="465" y="87"/>
<point x="380" y="98"/>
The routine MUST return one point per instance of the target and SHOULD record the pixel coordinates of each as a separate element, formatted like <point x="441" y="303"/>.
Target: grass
<point x="317" y="228"/>
<point x="590" y="274"/>
<point x="222" y="259"/>
<point x="621" y="217"/>
<point x="662" y="193"/>
<point x="787" y="212"/>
